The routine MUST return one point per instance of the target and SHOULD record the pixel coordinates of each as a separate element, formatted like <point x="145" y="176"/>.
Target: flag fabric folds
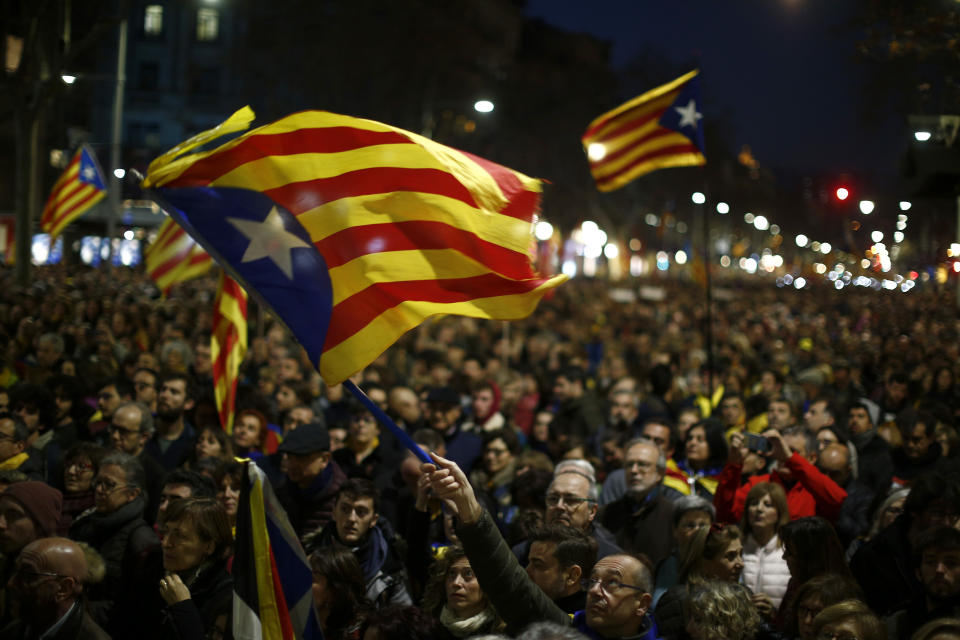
<point x="272" y="580"/>
<point x="659" y="129"/>
<point x="77" y="189"/>
<point x="353" y="231"/>
<point x="175" y="257"/>
<point x="228" y="345"/>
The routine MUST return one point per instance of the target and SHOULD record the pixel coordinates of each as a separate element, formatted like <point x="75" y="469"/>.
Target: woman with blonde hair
<point x="849" y="619"/>
<point x="722" y="611"/>
<point x="765" y="572"/>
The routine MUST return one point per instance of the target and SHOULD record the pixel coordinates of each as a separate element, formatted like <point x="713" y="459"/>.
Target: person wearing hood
<point x="920" y="448"/>
<point x="115" y="527"/>
<point x="356" y="525"/>
<point x="874" y="461"/>
<point x="485" y="407"/>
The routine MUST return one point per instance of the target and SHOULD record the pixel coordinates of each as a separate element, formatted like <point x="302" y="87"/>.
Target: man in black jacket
<point x="938" y="566"/>
<point x="560" y="557"/>
<point x="875" y="463"/>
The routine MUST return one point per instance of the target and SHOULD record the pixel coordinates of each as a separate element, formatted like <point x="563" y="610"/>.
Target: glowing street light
<point x="119" y="173"/>
<point x="876" y="236"/>
<point x="483" y="106"/>
<point x="802" y="240"/>
<point x="905" y="205"/>
<point x="866" y="207"/>
<point x="723" y="208"/>
<point x="698" y="198"/>
<point x="922" y="136"/>
<point x="68" y="79"/>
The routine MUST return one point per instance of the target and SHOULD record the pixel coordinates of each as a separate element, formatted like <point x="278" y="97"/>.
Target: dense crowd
<point x="601" y="469"/>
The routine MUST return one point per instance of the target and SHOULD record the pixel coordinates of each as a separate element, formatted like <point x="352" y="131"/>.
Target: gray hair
<point x="583" y="469"/>
<point x="179" y="346"/>
<point x="686" y="504"/>
<point x="550" y="631"/>
<point x="661" y="458"/>
<point x="132" y="469"/>
<point x="55" y="340"/>
<point x="146" y="418"/>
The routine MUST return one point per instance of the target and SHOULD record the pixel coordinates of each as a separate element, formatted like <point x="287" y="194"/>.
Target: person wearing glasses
<point x="618" y="587"/>
<point x="145" y="387"/>
<point x="497" y="471"/>
<point x="48" y="585"/>
<point x="115" y="527"/>
<point x="80" y="465"/>
<point x="131" y="427"/>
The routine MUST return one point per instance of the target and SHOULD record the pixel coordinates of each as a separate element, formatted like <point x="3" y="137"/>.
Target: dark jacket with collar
<point x="854" y="519"/>
<point x="642" y="527"/>
<point x="311" y="509"/>
<point x="77" y="626"/>
<point x="902" y="624"/>
<point x="211" y="598"/>
<point x="884" y="569"/>
<point x="874" y="463"/>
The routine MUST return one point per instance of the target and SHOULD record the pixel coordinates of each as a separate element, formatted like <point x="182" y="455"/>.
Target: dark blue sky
<point x="783" y="71"/>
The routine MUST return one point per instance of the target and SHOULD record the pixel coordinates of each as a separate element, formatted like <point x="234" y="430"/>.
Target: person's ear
<point x="572" y="575"/>
<point x="19" y="446"/>
<point x="376" y="517"/>
<point x="67" y="588"/>
<point x="643" y="604"/>
<point x="593" y="510"/>
<point x="188" y="405"/>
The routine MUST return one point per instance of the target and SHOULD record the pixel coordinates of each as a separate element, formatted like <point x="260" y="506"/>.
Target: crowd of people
<point x="600" y="469"/>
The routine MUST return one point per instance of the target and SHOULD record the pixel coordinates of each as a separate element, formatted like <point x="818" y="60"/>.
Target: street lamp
<point x="698" y="198"/>
<point x="922" y="136"/>
<point x="483" y="106"/>
<point x="723" y="208"/>
<point x="866" y="207"/>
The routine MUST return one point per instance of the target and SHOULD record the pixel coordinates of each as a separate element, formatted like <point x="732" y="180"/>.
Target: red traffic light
<point x="842" y="193"/>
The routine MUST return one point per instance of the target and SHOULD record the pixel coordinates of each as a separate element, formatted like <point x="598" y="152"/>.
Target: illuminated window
<point x="153" y="20"/>
<point x="208" y="22"/>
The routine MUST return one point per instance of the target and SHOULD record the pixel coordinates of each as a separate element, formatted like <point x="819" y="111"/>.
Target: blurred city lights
<point x="922" y="136"/>
<point x="748" y="217"/>
<point x="800" y="282"/>
<point x="635" y="244"/>
<point x="901" y="225"/>
<point x="876" y="236"/>
<point x="569" y="268"/>
<point x="543" y="231"/>
<point x="724" y="261"/>
<point x="865" y="263"/>
<point x="748" y="264"/>
<point x="68" y="79"/>
<point x="825" y="248"/>
<point x="866" y="207"/>
<point x="652" y="219"/>
<point x="663" y="261"/>
<point x="698" y="198"/>
<point x="898" y="236"/>
<point x="774" y="229"/>
<point x="611" y="251"/>
<point x="802" y="240"/>
<point x="843" y="193"/>
<point x="723" y="208"/>
<point x="761" y="223"/>
<point x="596" y="151"/>
<point x="680" y="257"/>
<point x="128" y="234"/>
<point x="905" y="206"/>
<point x="483" y="106"/>
<point x="820" y="268"/>
<point x="119" y="173"/>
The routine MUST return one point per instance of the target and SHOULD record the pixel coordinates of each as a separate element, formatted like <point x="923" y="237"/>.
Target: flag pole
<point x="385" y="420"/>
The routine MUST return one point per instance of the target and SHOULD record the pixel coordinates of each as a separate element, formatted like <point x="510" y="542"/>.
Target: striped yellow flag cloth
<point x="175" y="257"/>
<point x="77" y="189"/>
<point x="659" y="129"/>
<point x="228" y="345"/>
<point x="353" y="231"/>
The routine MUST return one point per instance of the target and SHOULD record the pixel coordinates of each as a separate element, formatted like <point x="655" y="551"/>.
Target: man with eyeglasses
<point x="129" y="547"/>
<point x="641" y="520"/>
<point x="129" y="430"/>
<point x="28" y="511"/>
<point x="48" y="588"/>
<point x="618" y="588"/>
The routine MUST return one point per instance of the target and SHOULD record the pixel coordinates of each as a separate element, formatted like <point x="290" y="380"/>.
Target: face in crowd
<point x="569" y="503"/>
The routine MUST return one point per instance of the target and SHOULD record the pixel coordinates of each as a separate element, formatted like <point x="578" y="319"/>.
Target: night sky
<point x="782" y="71"/>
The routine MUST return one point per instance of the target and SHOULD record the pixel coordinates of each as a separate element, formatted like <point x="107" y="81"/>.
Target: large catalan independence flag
<point x="354" y="231"/>
<point x="77" y="189"/>
<point x="175" y="257"/>
<point x="659" y="129"/>
<point x="272" y="581"/>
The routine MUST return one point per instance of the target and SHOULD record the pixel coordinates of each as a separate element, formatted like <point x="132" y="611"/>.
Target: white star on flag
<point x="89" y="173"/>
<point x="269" y="239"/>
<point x="689" y="114"/>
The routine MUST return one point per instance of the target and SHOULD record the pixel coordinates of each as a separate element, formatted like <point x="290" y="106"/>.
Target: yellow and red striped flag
<point x="228" y="345"/>
<point x="353" y="231"/>
<point x="175" y="257"/>
<point x="659" y="129"/>
<point x="77" y="189"/>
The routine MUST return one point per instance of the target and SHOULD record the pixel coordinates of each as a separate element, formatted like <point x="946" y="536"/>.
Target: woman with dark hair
<point x="196" y="588"/>
<point x="403" y="623"/>
<point x="80" y="465"/>
<point x="497" y="470"/>
<point x="705" y="450"/>
<point x="227" y="478"/>
<point x="765" y="572"/>
<point x="338" y="592"/>
<point x="812" y="597"/>
<point x="811" y="548"/>
<point x="454" y="596"/>
<point x="212" y="442"/>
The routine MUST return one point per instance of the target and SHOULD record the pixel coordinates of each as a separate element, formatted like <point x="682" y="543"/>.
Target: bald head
<point x="835" y="463"/>
<point x="57" y="555"/>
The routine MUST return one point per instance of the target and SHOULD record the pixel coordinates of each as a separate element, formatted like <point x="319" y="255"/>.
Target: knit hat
<point x="41" y="501"/>
<point x="872" y="408"/>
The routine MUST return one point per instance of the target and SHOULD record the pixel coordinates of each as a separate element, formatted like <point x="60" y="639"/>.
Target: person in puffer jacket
<point x="765" y="572"/>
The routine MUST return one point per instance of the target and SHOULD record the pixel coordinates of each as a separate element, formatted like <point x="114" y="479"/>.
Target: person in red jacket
<point x="809" y="491"/>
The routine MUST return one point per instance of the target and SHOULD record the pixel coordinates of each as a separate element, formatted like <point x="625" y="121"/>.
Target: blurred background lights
<point x="825" y="248"/>
<point x="724" y="261"/>
<point x="698" y="198"/>
<point x="867" y="207"/>
<point x="748" y="217"/>
<point x="761" y="223"/>
<point x="905" y="205"/>
<point x="596" y="151"/>
<point x="483" y="106"/>
<point x="922" y="136"/>
<point x="802" y="240"/>
<point x="543" y="231"/>
<point x="119" y="173"/>
<point x="663" y="261"/>
<point x="876" y="236"/>
<point x="800" y="283"/>
<point x="842" y="193"/>
<point x="128" y="234"/>
<point x="680" y="257"/>
<point x="569" y="268"/>
<point x="723" y="208"/>
<point x="611" y="251"/>
<point x="898" y="236"/>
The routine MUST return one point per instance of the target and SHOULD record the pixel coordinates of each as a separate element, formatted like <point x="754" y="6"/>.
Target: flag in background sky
<point x="659" y="129"/>
<point x="228" y="345"/>
<point x="175" y="257"/>
<point x="77" y="189"/>
<point x="354" y="231"/>
<point x="272" y="580"/>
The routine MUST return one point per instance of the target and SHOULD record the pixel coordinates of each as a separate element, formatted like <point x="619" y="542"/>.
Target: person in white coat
<point x="765" y="572"/>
